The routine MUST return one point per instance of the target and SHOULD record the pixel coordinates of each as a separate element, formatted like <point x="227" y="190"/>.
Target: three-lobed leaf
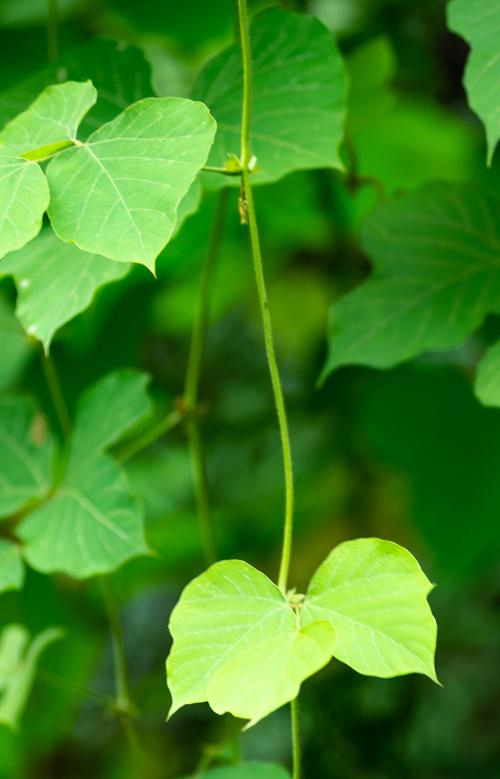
<point x="118" y="194"/>
<point x="478" y="21"/>
<point x="436" y="256"/>
<point x="299" y="93"/>
<point x="242" y="646"/>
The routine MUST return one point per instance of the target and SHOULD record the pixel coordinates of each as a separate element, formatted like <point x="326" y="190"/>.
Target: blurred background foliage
<point x="407" y="454"/>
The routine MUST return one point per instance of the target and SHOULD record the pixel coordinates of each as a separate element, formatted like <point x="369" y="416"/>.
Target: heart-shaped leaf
<point x="299" y="94"/>
<point x="238" y="645"/>
<point x="374" y="594"/>
<point x="478" y="21"/>
<point x="118" y="194"/>
<point x="11" y="566"/>
<point x="26" y="450"/>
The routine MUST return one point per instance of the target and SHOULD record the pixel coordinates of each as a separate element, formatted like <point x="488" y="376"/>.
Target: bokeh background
<point x="407" y="454"/>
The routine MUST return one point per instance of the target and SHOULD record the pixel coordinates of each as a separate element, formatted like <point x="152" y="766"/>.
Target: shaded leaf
<point x="238" y="646"/>
<point x="18" y="661"/>
<point x="55" y="282"/>
<point x="11" y="566"/>
<point x="118" y="194"/>
<point x="374" y="594"/>
<point x="26" y="450"/>
<point x="15" y="346"/>
<point x="436" y="255"/>
<point x="487" y="385"/>
<point x="299" y="91"/>
<point x="478" y="21"/>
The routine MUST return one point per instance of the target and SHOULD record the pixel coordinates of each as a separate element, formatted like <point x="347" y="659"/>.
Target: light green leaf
<point x="374" y="594"/>
<point x="299" y="93"/>
<point x="246" y="771"/>
<point x="108" y="410"/>
<point x="24" y="198"/>
<point x="436" y="255"/>
<point x="56" y="281"/>
<point x="26" y="450"/>
<point x="11" y="566"/>
<point x="478" y="21"/>
<point x="487" y="384"/>
<point x="16" y="348"/>
<point x="237" y="644"/>
<point x="52" y="119"/>
<point x="90" y="526"/>
<point x="118" y="194"/>
<point x="18" y="662"/>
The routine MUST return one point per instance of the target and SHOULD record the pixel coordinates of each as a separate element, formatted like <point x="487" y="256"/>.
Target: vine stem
<point x="296" y="751"/>
<point x="248" y="209"/>
<point x="192" y="383"/>
<point x="56" y="395"/>
<point x="148" y="437"/>
<point x="52" y="30"/>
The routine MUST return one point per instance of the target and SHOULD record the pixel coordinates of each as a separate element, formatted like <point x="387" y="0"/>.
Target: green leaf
<point x="118" y="194"/>
<point x="119" y="73"/>
<point x="90" y="526"/>
<point x="51" y="119"/>
<point x="374" y="594"/>
<point x="436" y="255"/>
<point x="26" y="450"/>
<point x="238" y="646"/>
<point x="18" y="662"/>
<point x="55" y="282"/>
<point x="487" y="384"/>
<point x="246" y="771"/>
<point x="107" y="410"/>
<point x="24" y="198"/>
<point x="16" y="348"/>
<point x="11" y="566"/>
<point x="478" y="21"/>
<point x="299" y="93"/>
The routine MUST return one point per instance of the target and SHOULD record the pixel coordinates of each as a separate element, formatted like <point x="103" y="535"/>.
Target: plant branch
<point x="149" y="436"/>
<point x="296" y="751"/>
<point x="56" y="395"/>
<point x="52" y="30"/>
<point x="248" y="209"/>
<point x="192" y="383"/>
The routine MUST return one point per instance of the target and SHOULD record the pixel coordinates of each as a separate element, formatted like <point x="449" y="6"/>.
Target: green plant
<point x="94" y="183"/>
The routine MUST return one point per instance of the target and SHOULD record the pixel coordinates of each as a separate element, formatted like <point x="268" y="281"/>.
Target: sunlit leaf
<point x="299" y="92"/>
<point x="25" y="455"/>
<point x="436" y="276"/>
<point x="478" y="21"/>
<point x="238" y="646"/>
<point x="24" y="198"/>
<point x="374" y="594"/>
<point x="118" y="194"/>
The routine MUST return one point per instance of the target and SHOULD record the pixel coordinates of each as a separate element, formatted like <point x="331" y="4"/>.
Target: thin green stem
<point x="122" y="693"/>
<point x="192" y="383"/>
<point x="148" y="437"/>
<point x="52" y="30"/>
<point x="56" y="394"/>
<point x="248" y="210"/>
<point x="296" y="750"/>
